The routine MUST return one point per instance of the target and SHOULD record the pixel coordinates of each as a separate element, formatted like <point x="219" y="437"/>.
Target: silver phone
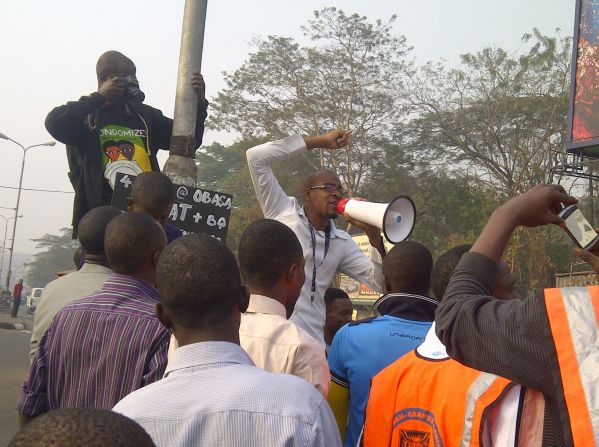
<point x="579" y="229"/>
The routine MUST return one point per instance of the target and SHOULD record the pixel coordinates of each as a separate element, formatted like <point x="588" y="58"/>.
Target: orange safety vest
<point x="573" y="314"/>
<point x="432" y="403"/>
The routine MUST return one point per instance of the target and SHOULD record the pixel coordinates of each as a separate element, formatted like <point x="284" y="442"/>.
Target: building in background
<point x="362" y="296"/>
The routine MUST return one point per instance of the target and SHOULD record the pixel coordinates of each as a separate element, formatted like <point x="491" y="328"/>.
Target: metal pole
<point x="180" y="166"/>
<point x="3" y="245"/>
<point x="14" y="227"/>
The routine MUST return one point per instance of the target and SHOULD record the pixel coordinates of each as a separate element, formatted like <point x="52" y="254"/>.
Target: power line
<point x="37" y="190"/>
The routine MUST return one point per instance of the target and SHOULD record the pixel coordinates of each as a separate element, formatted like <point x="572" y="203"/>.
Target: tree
<point x="223" y="168"/>
<point x="501" y="115"/>
<point x="54" y="254"/>
<point x="351" y="78"/>
<point x="501" y="118"/>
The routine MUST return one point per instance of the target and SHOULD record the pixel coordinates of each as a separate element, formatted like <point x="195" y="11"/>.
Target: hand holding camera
<point x="112" y="88"/>
<point x="122" y="87"/>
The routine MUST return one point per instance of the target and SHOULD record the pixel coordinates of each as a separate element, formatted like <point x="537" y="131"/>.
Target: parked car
<point x="33" y="298"/>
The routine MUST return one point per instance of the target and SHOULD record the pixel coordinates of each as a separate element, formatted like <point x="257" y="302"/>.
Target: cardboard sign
<point x="202" y="211"/>
<point x="194" y="211"/>
<point x="122" y="190"/>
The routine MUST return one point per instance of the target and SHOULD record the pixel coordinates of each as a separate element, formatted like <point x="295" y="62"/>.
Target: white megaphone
<point x="396" y="218"/>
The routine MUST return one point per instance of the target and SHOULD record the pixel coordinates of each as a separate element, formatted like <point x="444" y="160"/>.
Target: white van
<point x="34" y="298"/>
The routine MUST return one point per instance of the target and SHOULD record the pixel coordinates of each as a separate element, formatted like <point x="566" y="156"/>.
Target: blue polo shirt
<point x="361" y="349"/>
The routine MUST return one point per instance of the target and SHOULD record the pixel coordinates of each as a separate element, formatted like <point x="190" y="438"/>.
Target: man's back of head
<point x="201" y="299"/>
<point x="152" y="193"/>
<point x="199" y="284"/>
<point x="133" y="242"/>
<point x="89" y="427"/>
<point x="444" y="267"/>
<point x="271" y="257"/>
<point x="504" y="287"/>
<point x="407" y="268"/>
<point x="92" y="229"/>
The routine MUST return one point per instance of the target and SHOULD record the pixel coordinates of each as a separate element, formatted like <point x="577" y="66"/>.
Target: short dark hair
<point x="333" y="294"/>
<point x="131" y="239"/>
<point x="153" y="188"/>
<point x="444" y="267"/>
<point x="311" y="178"/>
<point x="267" y="249"/>
<point x="91" y="427"/>
<point x="108" y="61"/>
<point x="408" y="267"/>
<point x="92" y="228"/>
<point x="198" y="281"/>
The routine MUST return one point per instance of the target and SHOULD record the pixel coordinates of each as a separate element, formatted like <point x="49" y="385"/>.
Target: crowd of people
<point x="171" y="340"/>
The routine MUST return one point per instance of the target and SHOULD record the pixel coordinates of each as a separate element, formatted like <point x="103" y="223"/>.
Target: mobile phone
<point x="579" y="229"/>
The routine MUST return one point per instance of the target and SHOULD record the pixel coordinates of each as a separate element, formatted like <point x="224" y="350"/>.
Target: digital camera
<point x="132" y="90"/>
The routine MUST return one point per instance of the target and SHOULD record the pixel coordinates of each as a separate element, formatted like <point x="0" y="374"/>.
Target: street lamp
<point x="14" y="228"/>
<point x="6" y="219"/>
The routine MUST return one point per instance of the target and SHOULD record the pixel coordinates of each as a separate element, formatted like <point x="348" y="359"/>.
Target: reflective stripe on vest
<point x="572" y="314"/>
<point x="478" y="388"/>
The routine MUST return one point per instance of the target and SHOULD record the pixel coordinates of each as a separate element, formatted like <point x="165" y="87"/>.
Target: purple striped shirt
<point x="98" y="349"/>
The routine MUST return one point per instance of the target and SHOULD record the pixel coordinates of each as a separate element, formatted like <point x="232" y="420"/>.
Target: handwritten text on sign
<point x="202" y="211"/>
<point x="194" y="211"/>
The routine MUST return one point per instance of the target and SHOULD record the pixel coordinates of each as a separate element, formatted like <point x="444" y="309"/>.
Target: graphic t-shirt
<point x="123" y="141"/>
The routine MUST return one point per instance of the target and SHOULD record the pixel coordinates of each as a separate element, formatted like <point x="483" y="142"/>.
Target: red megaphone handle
<point x="341" y="205"/>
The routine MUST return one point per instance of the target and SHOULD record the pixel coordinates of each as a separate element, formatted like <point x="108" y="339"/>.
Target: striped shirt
<point x="213" y="395"/>
<point x="98" y="349"/>
<point x="511" y="338"/>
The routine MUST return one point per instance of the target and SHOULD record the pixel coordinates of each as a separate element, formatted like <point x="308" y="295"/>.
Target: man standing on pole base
<point x="16" y="298"/>
<point x="112" y="131"/>
<point x="326" y="249"/>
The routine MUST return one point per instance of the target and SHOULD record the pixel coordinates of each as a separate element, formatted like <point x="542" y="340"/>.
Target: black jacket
<point x="73" y="125"/>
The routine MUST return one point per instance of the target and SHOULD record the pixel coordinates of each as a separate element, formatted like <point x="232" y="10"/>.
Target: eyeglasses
<point x="330" y="187"/>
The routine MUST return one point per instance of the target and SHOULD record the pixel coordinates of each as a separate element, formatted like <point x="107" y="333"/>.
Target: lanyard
<point x="327" y="242"/>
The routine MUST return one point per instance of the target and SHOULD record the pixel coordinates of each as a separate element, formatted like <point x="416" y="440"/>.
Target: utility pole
<point x="180" y="165"/>
<point x="14" y="228"/>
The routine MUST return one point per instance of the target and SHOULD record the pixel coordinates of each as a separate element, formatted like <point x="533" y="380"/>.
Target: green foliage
<point x="54" y="254"/>
<point x="503" y="115"/>
<point x="458" y="140"/>
<point x="350" y="78"/>
<point x="225" y="169"/>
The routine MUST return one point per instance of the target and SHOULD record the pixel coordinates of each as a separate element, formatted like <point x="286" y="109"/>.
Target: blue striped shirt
<point x="213" y="395"/>
<point x="98" y="349"/>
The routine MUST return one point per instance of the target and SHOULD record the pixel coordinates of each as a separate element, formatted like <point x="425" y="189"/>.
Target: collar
<point x="260" y="304"/>
<point x="207" y="354"/>
<point x="129" y="285"/>
<point x="334" y="231"/>
<point x="408" y="306"/>
<point x="88" y="267"/>
<point x="432" y="347"/>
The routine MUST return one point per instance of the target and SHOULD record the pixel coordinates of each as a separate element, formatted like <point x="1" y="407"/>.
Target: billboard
<point x="583" y="115"/>
<point x="353" y="288"/>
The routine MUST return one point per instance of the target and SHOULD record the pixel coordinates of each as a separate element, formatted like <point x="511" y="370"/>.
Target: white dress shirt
<point x="279" y="346"/>
<point x="213" y="395"/>
<point x="343" y="255"/>
<point x="62" y="291"/>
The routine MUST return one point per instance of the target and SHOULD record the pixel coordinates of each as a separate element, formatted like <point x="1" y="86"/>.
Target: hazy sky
<point x="49" y="49"/>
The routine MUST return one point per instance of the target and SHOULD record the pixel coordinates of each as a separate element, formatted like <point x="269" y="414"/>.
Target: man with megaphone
<point x="326" y="248"/>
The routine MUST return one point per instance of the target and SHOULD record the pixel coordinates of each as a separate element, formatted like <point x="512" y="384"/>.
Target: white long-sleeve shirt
<point x="343" y="254"/>
<point x="280" y="346"/>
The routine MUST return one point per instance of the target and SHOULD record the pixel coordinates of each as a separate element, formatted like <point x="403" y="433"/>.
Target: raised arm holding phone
<point x="547" y="342"/>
